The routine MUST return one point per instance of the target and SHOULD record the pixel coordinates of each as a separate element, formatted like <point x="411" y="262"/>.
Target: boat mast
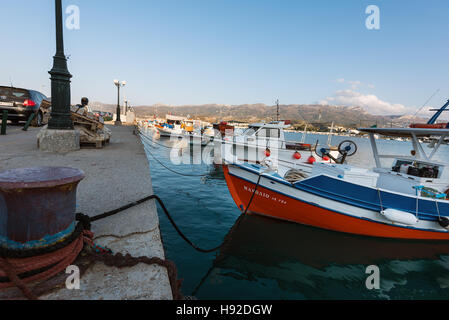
<point x="277" y="110"/>
<point x="303" y="139"/>
<point x="329" y="138"/>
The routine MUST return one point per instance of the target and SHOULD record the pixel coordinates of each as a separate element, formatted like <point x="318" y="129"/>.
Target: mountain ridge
<point x="348" y="116"/>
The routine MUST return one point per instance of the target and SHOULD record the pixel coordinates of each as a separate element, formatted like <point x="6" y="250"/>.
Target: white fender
<point x="400" y="217"/>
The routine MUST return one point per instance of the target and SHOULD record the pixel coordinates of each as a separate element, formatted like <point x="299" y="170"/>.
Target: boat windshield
<point x="249" y="131"/>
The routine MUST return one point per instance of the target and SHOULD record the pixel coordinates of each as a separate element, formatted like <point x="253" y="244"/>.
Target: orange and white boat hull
<point x="277" y="199"/>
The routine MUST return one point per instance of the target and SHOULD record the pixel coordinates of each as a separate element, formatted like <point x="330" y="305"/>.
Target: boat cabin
<point x="174" y="122"/>
<point x="418" y="169"/>
<point x="263" y="134"/>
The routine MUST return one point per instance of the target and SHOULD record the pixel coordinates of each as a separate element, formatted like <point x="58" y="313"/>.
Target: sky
<point x="180" y="52"/>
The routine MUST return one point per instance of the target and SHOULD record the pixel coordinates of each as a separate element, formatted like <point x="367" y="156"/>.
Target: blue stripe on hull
<point x="368" y="198"/>
<point x="362" y="196"/>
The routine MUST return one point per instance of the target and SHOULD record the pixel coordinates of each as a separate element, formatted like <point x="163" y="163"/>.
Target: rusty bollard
<point x="37" y="206"/>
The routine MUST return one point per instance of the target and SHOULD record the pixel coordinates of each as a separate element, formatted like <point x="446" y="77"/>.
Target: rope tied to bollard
<point x="118" y="260"/>
<point x="21" y="267"/>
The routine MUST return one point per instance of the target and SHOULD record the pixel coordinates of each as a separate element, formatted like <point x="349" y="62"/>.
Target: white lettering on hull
<point x="265" y="195"/>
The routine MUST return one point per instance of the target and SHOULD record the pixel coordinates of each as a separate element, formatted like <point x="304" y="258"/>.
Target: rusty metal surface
<point x="37" y="205"/>
<point x="39" y="177"/>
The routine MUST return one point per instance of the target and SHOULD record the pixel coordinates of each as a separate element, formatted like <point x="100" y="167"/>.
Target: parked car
<point x="21" y="103"/>
<point x="107" y="116"/>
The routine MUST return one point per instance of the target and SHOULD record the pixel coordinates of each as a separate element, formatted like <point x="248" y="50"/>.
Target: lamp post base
<point x="58" y="141"/>
<point x="118" y="123"/>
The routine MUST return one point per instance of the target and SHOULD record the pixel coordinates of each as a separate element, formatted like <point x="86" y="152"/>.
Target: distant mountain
<point x="313" y="114"/>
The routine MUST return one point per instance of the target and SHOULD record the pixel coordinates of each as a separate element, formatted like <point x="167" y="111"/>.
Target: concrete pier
<point x="115" y="175"/>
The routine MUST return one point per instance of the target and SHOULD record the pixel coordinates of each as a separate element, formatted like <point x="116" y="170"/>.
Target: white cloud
<point x="354" y="84"/>
<point x="369" y="102"/>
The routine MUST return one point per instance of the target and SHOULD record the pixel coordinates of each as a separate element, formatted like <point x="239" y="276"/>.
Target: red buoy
<point x="311" y="160"/>
<point x="267" y="152"/>
<point x="325" y="158"/>
<point x="297" y="155"/>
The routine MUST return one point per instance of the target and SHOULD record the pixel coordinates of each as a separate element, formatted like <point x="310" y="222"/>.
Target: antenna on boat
<point x="329" y="138"/>
<point x="433" y="95"/>
<point x="277" y="110"/>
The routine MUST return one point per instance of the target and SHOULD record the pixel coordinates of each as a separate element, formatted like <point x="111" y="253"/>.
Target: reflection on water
<point x="324" y="264"/>
<point x="264" y="258"/>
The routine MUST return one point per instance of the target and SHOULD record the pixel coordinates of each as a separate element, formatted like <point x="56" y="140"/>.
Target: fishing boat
<point x="197" y="132"/>
<point x="265" y="142"/>
<point x="407" y="200"/>
<point x="171" y="126"/>
<point x="192" y="131"/>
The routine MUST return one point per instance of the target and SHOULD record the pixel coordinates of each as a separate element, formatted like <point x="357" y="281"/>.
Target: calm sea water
<point x="263" y="258"/>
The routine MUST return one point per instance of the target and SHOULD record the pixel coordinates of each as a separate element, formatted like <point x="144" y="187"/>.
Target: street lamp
<point x="60" y="81"/>
<point x="119" y="84"/>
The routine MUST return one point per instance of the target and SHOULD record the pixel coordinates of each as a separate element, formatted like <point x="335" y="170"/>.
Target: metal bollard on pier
<point x="28" y="123"/>
<point x="4" y="122"/>
<point x="37" y="206"/>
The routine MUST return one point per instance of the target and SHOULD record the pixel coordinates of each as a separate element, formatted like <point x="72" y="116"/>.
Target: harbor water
<point x="263" y="258"/>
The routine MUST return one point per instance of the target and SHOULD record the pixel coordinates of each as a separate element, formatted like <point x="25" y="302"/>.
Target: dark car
<point x="21" y="103"/>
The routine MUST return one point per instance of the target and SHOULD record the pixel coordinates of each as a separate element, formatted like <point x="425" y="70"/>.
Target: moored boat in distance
<point x="265" y="142"/>
<point x="192" y="131"/>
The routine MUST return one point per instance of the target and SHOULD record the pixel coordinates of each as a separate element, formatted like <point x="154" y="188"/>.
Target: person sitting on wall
<point x="83" y="108"/>
<point x="86" y="111"/>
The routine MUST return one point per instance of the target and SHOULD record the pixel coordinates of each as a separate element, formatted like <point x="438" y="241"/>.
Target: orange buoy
<point x="267" y="152"/>
<point x="297" y="155"/>
<point x="311" y="160"/>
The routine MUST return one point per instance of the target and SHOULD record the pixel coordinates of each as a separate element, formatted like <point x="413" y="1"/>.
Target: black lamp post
<point x="118" y="84"/>
<point x="60" y="80"/>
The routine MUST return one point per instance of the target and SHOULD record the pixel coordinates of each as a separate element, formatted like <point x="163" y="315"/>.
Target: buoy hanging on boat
<point x="326" y="158"/>
<point x="400" y="217"/>
<point x="311" y="160"/>
<point x="297" y="155"/>
<point x="267" y="152"/>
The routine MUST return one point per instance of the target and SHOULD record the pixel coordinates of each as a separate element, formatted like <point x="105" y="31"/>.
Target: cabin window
<point x="249" y="132"/>
<point x="269" y="133"/>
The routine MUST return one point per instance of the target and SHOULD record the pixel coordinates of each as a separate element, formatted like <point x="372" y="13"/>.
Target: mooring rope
<point x="21" y="271"/>
<point x="159" y="144"/>
<point x="254" y="193"/>
<point x="380" y="200"/>
<point x="142" y="134"/>
<point x="167" y="213"/>
<point x="40" y="267"/>
<point x="171" y="170"/>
